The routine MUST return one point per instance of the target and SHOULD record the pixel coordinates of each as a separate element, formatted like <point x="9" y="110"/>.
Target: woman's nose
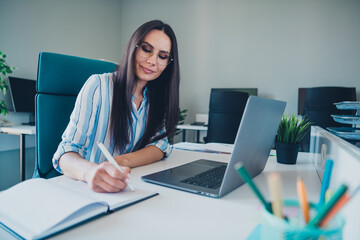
<point x="152" y="59"/>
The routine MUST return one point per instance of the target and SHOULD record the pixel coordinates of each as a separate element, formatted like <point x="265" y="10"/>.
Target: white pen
<point x="113" y="162"/>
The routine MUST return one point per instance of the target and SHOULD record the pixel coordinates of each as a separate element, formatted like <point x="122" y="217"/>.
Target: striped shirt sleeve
<point x="77" y="134"/>
<point x="162" y="144"/>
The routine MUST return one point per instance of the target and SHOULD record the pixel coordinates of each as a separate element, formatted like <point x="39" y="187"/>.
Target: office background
<point x="276" y="46"/>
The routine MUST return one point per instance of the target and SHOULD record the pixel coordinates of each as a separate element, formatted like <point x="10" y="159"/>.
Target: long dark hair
<point x="163" y="93"/>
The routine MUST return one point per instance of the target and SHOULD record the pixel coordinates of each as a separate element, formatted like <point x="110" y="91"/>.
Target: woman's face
<point x="152" y="55"/>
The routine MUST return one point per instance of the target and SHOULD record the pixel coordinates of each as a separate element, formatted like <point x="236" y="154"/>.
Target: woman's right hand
<point x="104" y="177"/>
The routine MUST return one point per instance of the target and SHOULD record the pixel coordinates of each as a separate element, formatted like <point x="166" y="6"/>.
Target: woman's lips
<point x="147" y="71"/>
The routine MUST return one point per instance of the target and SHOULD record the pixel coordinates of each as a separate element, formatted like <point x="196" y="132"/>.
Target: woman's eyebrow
<point x="163" y="51"/>
<point x="149" y="44"/>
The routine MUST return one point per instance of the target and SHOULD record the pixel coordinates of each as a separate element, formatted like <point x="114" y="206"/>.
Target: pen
<point x="322" y="212"/>
<point x="244" y="174"/>
<point x="342" y="201"/>
<point x="113" y="162"/>
<point x="274" y="181"/>
<point x="325" y="181"/>
<point x="303" y="199"/>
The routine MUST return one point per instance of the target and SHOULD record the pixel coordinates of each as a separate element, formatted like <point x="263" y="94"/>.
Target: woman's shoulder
<point x="103" y="76"/>
<point x="101" y="79"/>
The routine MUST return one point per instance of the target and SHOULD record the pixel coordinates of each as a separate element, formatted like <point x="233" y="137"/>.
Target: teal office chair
<point x="59" y="80"/>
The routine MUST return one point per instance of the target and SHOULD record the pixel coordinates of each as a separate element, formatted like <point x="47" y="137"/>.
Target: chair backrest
<point x="250" y="91"/>
<point x="301" y="100"/>
<point x="318" y="106"/>
<point x="59" y="80"/>
<point x="225" y="112"/>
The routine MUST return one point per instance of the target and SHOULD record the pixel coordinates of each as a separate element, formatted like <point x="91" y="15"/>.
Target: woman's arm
<point x="76" y="137"/>
<point x="141" y="157"/>
<point x="151" y="153"/>
<point x="102" y="177"/>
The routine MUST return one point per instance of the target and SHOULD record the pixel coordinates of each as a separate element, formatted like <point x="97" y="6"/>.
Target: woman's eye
<point x="163" y="56"/>
<point x="146" y="49"/>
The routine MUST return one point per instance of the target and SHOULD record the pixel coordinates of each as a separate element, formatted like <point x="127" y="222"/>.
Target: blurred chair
<point x="250" y="91"/>
<point x="225" y="112"/>
<point x="317" y="104"/>
<point x="60" y="78"/>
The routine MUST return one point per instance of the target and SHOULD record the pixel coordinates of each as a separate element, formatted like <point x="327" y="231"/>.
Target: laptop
<point x="253" y="142"/>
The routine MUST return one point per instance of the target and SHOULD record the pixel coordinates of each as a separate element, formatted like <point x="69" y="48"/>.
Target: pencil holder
<point x="294" y="227"/>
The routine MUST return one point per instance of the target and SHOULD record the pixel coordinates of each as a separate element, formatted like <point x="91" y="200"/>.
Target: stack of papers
<point x="208" y="147"/>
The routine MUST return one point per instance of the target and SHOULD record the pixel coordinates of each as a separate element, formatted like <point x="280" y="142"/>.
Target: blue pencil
<point x="325" y="181"/>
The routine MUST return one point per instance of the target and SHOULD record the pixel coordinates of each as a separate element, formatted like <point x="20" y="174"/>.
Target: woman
<point x="132" y="111"/>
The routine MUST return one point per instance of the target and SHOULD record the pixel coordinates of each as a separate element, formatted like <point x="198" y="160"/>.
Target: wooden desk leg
<point x="22" y="157"/>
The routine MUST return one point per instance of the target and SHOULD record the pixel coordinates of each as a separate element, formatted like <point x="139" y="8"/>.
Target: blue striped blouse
<point x="90" y="122"/>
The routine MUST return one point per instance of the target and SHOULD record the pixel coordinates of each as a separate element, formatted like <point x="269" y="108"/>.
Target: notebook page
<point x="114" y="200"/>
<point x="34" y="206"/>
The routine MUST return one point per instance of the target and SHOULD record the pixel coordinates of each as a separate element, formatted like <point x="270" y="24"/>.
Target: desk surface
<point x="174" y="214"/>
<point x="20" y="129"/>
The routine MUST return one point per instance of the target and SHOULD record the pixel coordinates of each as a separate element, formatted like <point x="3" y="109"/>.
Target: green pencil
<point x="328" y="206"/>
<point x="245" y="175"/>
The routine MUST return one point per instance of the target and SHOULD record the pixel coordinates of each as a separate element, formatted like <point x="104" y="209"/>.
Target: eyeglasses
<point x="145" y="50"/>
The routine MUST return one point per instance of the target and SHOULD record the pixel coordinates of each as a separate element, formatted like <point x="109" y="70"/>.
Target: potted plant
<point x="291" y="131"/>
<point x="181" y="118"/>
<point x="4" y="70"/>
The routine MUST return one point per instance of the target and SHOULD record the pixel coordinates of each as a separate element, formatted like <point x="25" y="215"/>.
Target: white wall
<point x="86" y="28"/>
<point x="276" y="46"/>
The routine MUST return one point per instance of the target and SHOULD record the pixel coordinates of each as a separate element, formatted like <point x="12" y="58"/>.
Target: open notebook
<point x="37" y="208"/>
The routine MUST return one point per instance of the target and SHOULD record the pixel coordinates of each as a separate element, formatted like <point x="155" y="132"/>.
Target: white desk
<point x="174" y="214"/>
<point x="20" y="130"/>
<point x="196" y="128"/>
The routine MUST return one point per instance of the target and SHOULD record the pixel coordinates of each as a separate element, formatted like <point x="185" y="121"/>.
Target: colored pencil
<point x="304" y="205"/>
<point x="342" y="201"/>
<point x="322" y="212"/>
<point x="274" y="181"/>
<point x="247" y="178"/>
<point x="325" y="181"/>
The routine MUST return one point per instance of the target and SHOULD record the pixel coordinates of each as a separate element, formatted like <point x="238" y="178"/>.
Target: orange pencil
<point x="303" y="199"/>
<point x="342" y="201"/>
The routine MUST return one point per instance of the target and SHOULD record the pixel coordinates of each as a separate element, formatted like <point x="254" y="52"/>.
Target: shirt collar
<point x="144" y="94"/>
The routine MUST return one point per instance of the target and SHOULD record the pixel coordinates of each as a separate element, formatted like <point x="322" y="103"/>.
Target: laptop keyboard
<point x="210" y="179"/>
